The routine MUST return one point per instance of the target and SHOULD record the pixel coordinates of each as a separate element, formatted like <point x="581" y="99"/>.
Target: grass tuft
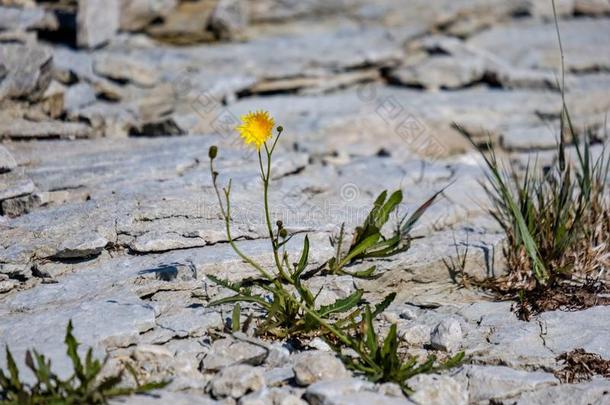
<point x="84" y="386"/>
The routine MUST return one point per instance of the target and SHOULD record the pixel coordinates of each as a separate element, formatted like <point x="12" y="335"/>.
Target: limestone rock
<point x="97" y="22"/>
<point x="566" y="331"/>
<point x="137" y="14"/>
<point x="186" y="24"/>
<point x="25" y="129"/>
<point x="81" y="245"/>
<point x="414" y="334"/>
<point x="26" y="18"/>
<point x="325" y="392"/>
<point x="441" y="72"/>
<point x="437" y="390"/>
<point x="14" y="184"/>
<point x="226" y="352"/>
<point x="447" y="335"/>
<point x="27" y="71"/>
<point x="229" y="19"/>
<point x="236" y="381"/>
<point x="497" y="382"/>
<point x="78" y="96"/>
<point x="7" y="161"/>
<point x="125" y="68"/>
<point x="310" y="367"/>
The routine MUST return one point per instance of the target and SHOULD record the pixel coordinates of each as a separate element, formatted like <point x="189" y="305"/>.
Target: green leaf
<point x="235" y="324"/>
<point x="13" y="370"/>
<point x="72" y="352"/>
<point x="240" y="298"/>
<point x="361" y="247"/>
<point x="303" y="260"/>
<point x="341" y="305"/>
<point x="364" y="274"/>
<point x="383" y="214"/>
<point x="371" y="337"/>
<point x="383" y="305"/>
<point x="410" y="223"/>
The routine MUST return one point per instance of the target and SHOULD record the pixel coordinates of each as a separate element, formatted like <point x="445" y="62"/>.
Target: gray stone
<point x="414" y="334"/>
<point x="192" y="322"/>
<point x="437" y="389"/>
<point x="566" y="331"/>
<point x="81" y="245"/>
<point x="447" y="335"/>
<point x="100" y="322"/>
<point x="227" y="352"/>
<point x="137" y="14"/>
<point x="24" y="129"/>
<point x="279" y="396"/>
<point x="278" y="375"/>
<point x="229" y="19"/>
<point x="591" y="7"/>
<point x="165" y="397"/>
<point x="7" y="285"/>
<point x="327" y="390"/>
<point x="14" y="184"/>
<point x="593" y="392"/>
<point x="349" y="391"/>
<point x="310" y="367"/>
<point x="26" y="18"/>
<point x="27" y="71"/>
<point x="97" y="22"/>
<point x="497" y="382"/>
<point x="236" y="381"/>
<point x="78" y="96"/>
<point x="441" y="72"/>
<point x="583" y="43"/>
<point x="125" y="68"/>
<point x="7" y="161"/>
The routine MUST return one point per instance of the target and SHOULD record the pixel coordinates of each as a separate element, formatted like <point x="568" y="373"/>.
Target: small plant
<point x="456" y="266"/>
<point x="85" y="386"/>
<point x="369" y="243"/>
<point x="291" y="308"/>
<point x="380" y="360"/>
<point x="556" y="221"/>
<point x="289" y="305"/>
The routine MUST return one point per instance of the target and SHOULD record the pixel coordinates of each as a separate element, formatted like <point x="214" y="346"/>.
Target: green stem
<point x="227" y="217"/>
<point x="266" y="175"/>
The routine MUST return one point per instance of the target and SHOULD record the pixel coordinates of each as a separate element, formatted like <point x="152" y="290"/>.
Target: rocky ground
<point x="109" y="218"/>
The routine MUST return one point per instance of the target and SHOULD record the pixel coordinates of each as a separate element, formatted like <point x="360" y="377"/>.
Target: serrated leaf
<point x="383" y="305"/>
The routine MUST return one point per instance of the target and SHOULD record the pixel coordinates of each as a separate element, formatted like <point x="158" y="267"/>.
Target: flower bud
<point x="279" y="224"/>
<point x="283" y="233"/>
<point x="213" y="152"/>
<point x="280" y="128"/>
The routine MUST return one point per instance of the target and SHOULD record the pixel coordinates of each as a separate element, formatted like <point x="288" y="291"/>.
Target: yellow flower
<point x="256" y="128"/>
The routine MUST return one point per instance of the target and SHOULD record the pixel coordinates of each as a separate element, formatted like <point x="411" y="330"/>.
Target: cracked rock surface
<point x="108" y="216"/>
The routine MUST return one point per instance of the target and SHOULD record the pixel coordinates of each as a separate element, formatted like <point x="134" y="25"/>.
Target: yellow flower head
<point x="256" y="128"/>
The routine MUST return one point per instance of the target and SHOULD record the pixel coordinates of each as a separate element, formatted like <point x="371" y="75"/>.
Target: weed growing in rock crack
<point x="456" y="266"/>
<point x="291" y="310"/>
<point x="557" y="223"/>
<point x="84" y="386"/>
<point x="290" y="306"/>
<point x="379" y="359"/>
<point x="369" y="243"/>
